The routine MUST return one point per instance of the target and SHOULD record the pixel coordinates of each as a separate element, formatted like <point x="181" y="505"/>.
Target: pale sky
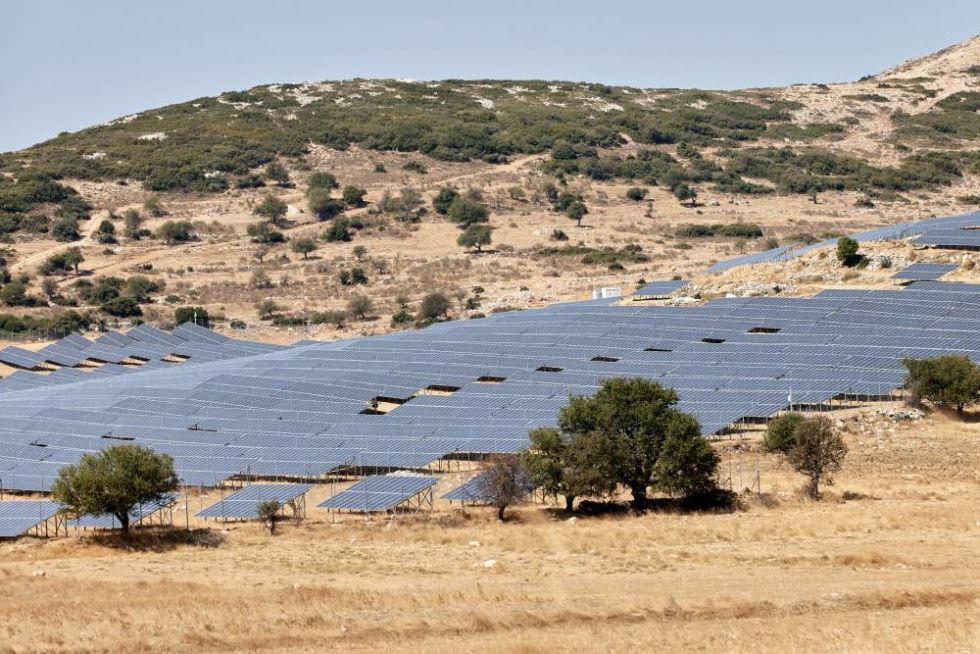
<point x="70" y="64"/>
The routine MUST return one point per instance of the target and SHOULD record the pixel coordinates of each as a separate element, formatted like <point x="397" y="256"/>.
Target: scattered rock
<point x="474" y="543"/>
<point x="39" y="573"/>
<point x="490" y="564"/>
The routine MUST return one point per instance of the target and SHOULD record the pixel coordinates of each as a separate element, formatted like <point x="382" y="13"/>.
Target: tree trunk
<point x="500" y="512"/>
<point x="569" y="503"/>
<point x="123" y="522"/>
<point x="639" y="492"/>
<point x="813" y="488"/>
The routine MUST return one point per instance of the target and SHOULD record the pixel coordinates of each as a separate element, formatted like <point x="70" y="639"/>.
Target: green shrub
<point x="847" y="251"/>
<point x="338" y="231"/>
<point x="444" y="199"/>
<point x="122" y="307"/>
<point x="415" y="167"/>
<point x="636" y="194"/>
<point x="323" y="180"/>
<point x="173" y="232"/>
<point x="322" y="205"/>
<point x="466" y="212"/>
<point x="197" y="315"/>
<point x="354" y="196"/>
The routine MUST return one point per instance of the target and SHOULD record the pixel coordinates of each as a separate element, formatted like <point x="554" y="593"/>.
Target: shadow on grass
<point x="717" y="501"/>
<point x="160" y="539"/>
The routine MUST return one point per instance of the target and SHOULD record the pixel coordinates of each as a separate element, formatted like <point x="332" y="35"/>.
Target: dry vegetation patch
<point x="886" y="563"/>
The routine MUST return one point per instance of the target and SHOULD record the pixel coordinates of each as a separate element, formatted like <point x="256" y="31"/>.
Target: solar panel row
<point x="379" y="493"/>
<point x="244" y="504"/>
<point x="946" y="232"/>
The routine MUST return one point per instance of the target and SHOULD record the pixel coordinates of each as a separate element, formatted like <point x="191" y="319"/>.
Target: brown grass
<point x="887" y="562"/>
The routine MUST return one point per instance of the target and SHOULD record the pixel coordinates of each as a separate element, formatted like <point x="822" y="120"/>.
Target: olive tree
<point x="466" y="212"/>
<point x="577" y="211"/>
<point x="434" y="306"/>
<point x="780" y="433"/>
<point x="304" y="246"/>
<point x="272" y="209"/>
<point x="641" y="438"/>
<point x="475" y="236"/>
<point x="115" y="481"/>
<point x="684" y="193"/>
<point x="568" y="465"/>
<point x="817" y="452"/>
<point x="360" y="306"/>
<point x="951" y="380"/>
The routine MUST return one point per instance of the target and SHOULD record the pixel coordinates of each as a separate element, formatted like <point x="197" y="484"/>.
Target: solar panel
<point x="661" y="288"/>
<point x="379" y="493"/>
<point x="19" y="516"/>
<point x="18" y="357"/>
<point x="950" y="231"/>
<point x="244" y="504"/>
<point x="471" y="491"/>
<point x="925" y="271"/>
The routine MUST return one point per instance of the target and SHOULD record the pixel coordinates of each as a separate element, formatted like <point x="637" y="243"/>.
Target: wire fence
<point x="34" y="335"/>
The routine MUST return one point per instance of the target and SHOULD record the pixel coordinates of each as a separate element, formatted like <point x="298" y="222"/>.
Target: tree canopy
<point x="818" y="452"/>
<point x="272" y="209"/>
<point x="631" y="433"/>
<point x="780" y="432"/>
<point x="475" y="236"/>
<point x="443" y="199"/>
<point x="322" y="205"/>
<point x="304" y="246"/>
<point x="466" y="212"/>
<point x="847" y="251"/>
<point x="951" y="380"/>
<point x="434" y="306"/>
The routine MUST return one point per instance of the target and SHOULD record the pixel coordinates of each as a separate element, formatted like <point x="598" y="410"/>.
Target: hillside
<point x="778" y="165"/>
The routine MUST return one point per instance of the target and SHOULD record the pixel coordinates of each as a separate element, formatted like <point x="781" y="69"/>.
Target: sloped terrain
<point x="893" y="147"/>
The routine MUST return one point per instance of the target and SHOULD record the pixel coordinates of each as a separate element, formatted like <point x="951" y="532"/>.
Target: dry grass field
<point x="886" y="563"/>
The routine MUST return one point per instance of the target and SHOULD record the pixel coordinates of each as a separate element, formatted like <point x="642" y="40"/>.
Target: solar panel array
<point x="661" y="288"/>
<point x="950" y="231"/>
<point x="925" y="271"/>
<point x="244" y="504"/>
<point x="307" y="410"/>
<point x="951" y="238"/>
<point x="19" y="516"/>
<point x="142" y="348"/>
<point x="379" y="493"/>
